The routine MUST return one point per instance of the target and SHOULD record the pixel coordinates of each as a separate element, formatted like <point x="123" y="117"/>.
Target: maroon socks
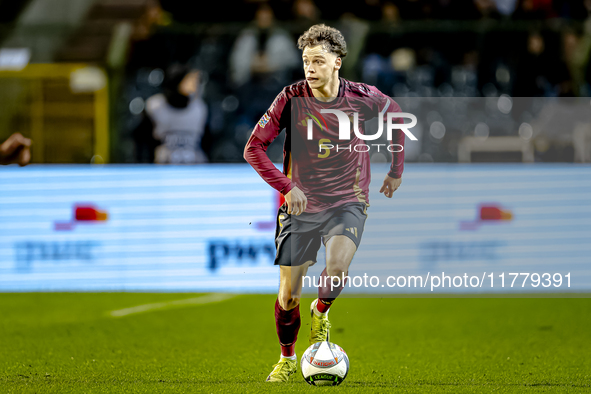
<point x="323" y="306"/>
<point x="326" y="293"/>
<point x="288" y="324"/>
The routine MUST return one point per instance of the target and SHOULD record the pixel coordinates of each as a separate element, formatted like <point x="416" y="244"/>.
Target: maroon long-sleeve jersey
<point x="329" y="170"/>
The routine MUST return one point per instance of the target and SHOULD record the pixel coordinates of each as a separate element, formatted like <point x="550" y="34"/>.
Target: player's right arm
<point x="296" y="201"/>
<point x="255" y="153"/>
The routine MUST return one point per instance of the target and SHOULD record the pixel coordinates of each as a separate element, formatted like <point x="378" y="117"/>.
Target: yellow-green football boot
<point x="320" y="326"/>
<point x="282" y="370"/>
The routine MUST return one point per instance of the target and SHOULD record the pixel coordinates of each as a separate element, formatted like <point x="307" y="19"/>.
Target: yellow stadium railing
<point x="64" y="108"/>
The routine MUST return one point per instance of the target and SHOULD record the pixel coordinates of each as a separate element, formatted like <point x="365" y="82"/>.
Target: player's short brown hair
<point x="330" y="38"/>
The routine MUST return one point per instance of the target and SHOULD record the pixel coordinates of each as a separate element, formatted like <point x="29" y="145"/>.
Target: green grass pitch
<point x="69" y="343"/>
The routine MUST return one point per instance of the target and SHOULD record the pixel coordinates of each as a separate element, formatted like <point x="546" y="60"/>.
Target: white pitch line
<point x="206" y="299"/>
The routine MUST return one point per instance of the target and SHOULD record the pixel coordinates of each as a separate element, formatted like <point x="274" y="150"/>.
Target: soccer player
<point x="326" y="191"/>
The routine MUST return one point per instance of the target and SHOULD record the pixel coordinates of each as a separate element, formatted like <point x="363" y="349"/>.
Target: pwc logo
<point x="488" y="214"/>
<point x="82" y="214"/>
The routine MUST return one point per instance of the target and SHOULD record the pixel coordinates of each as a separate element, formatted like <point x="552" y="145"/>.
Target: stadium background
<point x="483" y="78"/>
<point x="93" y="213"/>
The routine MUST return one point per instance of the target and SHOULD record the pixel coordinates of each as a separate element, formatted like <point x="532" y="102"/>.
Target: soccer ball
<point x="324" y="364"/>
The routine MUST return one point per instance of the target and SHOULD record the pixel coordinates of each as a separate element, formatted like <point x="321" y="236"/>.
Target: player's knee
<point x="288" y="301"/>
<point x="336" y="269"/>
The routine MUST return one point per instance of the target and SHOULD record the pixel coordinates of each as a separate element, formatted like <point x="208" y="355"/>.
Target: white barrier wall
<point x="211" y="228"/>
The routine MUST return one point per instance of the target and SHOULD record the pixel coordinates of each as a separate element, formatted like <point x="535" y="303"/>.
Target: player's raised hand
<point x="16" y="149"/>
<point x="390" y="185"/>
<point x="296" y="201"/>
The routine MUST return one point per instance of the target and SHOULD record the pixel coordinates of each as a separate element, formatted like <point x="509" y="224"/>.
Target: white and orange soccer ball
<point x="324" y="364"/>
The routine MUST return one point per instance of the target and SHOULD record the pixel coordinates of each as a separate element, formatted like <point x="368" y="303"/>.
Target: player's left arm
<point x="390" y="185"/>
<point x="393" y="179"/>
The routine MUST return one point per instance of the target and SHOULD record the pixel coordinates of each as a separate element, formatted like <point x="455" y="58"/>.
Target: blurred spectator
<point x="380" y="47"/>
<point x="263" y="51"/>
<point x="263" y="60"/>
<point x="534" y="10"/>
<point x="153" y="15"/>
<point x="383" y="36"/>
<point x="542" y="72"/>
<point x="576" y="50"/>
<point x="390" y="14"/>
<point x="305" y="14"/>
<point x="176" y="118"/>
<point x="506" y="7"/>
<point x="464" y="77"/>
<point x="487" y="9"/>
<point x="534" y="69"/>
<point x="16" y="149"/>
<point x="145" y="50"/>
<point x="354" y="30"/>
